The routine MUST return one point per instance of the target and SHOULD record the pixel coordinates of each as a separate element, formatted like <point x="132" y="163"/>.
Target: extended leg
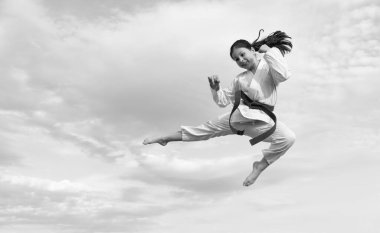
<point x="214" y="128"/>
<point x="177" y="136"/>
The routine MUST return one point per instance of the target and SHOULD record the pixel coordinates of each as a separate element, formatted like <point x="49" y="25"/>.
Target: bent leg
<point x="281" y="140"/>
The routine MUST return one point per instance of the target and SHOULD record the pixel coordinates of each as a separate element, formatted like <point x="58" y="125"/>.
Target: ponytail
<point x="276" y="39"/>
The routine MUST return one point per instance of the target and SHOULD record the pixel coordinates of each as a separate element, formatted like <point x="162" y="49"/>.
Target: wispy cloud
<point x="83" y="83"/>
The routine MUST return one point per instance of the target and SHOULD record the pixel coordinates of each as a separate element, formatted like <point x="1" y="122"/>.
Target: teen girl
<point x="254" y="94"/>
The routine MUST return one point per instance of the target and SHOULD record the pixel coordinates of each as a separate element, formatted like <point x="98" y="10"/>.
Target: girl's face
<point x="245" y="58"/>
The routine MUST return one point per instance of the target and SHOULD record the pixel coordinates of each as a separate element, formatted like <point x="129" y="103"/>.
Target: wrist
<point x="214" y="89"/>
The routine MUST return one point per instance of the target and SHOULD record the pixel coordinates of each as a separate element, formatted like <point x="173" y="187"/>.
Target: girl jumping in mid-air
<point x="254" y="94"/>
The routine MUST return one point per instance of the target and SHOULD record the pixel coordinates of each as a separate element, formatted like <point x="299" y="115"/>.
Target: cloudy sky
<point x="84" y="82"/>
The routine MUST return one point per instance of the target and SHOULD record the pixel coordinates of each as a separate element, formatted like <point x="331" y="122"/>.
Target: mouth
<point x="243" y="63"/>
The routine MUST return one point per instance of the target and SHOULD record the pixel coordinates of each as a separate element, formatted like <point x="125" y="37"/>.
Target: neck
<point x="254" y="66"/>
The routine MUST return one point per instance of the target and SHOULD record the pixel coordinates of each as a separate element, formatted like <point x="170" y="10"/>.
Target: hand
<point x="214" y="82"/>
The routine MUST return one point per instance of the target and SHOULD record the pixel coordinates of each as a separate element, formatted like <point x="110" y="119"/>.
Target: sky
<point x="84" y="82"/>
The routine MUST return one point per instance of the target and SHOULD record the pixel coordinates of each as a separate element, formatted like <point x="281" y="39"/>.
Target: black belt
<point x="253" y="105"/>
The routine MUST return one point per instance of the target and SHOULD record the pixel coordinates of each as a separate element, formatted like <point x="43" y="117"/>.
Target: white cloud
<point x="68" y="205"/>
<point x="96" y="84"/>
<point x="43" y="184"/>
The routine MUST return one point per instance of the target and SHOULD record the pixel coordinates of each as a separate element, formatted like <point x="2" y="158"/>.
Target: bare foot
<point x="158" y="140"/>
<point x="258" y="167"/>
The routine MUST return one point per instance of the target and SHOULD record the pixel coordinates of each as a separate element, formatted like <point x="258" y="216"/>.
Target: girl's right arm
<point x="222" y="97"/>
<point x="277" y="65"/>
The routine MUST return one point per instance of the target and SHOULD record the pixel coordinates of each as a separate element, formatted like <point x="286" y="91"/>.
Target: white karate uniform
<point x="272" y="69"/>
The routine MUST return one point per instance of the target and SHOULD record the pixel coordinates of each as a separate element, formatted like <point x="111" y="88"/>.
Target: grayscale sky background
<point x="84" y="82"/>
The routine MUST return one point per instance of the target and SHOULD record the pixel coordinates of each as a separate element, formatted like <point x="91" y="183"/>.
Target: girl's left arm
<point x="277" y="65"/>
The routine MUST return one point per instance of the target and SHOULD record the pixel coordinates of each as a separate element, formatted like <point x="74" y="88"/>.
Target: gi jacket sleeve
<point x="225" y="96"/>
<point x="277" y="65"/>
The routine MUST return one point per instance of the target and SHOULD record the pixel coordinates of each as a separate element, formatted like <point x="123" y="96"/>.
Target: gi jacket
<point x="272" y="70"/>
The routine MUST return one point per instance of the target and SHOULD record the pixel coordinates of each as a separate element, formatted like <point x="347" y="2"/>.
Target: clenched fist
<point x="214" y="82"/>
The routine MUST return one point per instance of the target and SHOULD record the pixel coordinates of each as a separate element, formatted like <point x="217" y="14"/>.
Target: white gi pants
<point x="280" y="141"/>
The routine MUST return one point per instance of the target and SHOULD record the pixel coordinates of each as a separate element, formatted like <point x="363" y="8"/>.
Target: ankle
<point x="263" y="164"/>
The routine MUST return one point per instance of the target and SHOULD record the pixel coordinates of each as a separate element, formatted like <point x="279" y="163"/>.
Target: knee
<point x="290" y="138"/>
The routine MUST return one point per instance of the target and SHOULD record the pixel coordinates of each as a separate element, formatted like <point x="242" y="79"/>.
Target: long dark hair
<point x="276" y="39"/>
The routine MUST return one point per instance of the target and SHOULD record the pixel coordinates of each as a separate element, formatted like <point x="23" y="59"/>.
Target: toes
<point x="154" y="140"/>
<point x="247" y="184"/>
<point x="162" y="142"/>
